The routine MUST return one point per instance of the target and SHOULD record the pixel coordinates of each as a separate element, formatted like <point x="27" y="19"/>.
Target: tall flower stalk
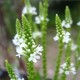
<point x="60" y="43"/>
<point x="10" y="71"/>
<point x="44" y="14"/>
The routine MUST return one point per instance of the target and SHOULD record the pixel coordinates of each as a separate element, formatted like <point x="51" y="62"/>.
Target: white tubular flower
<point x="24" y="11"/>
<point x="66" y="25"/>
<point x="20" y="44"/>
<point x="67" y="71"/>
<point x="37" y="34"/>
<point x="37" y="20"/>
<point x="16" y="40"/>
<point x="73" y="47"/>
<point x="20" y="51"/>
<point x="40" y="18"/>
<point x="63" y="65"/>
<point x="36" y="54"/>
<point x="78" y="23"/>
<point x="63" y="23"/>
<point x="31" y="10"/>
<point x="66" y="37"/>
<point x="34" y="57"/>
<point x="56" y="38"/>
<point x="39" y="48"/>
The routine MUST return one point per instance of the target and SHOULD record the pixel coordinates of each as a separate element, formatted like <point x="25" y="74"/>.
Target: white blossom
<point x="56" y="38"/>
<point x="37" y="20"/>
<point x="65" y="24"/>
<point x="78" y="23"/>
<point x="31" y="10"/>
<point x="36" y="34"/>
<point x="36" y="54"/>
<point x="67" y="71"/>
<point x="20" y="44"/>
<point x="16" y="40"/>
<point x="20" y="51"/>
<point x="40" y="18"/>
<point x="66" y="37"/>
<point x="34" y="57"/>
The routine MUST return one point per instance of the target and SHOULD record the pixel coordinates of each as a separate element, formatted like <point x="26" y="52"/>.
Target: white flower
<point x="73" y="47"/>
<point x="20" y="44"/>
<point x="56" y="38"/>
<point x="67" y="71"/>
<point x="73" y="70"/>
<point x="66" y="37"/>
<point x="15" y="40"/>
<point x="63" y="65"/>
<point x="20" y="51"/>
<point x="40" y="18"/>
<point x="36" y="54"/>
<point x="65" y="24"/>
<point x="24" y="11"/>
<point x="37" y="34"/>
<point x="31" y="10"/>
<point x="37" y="20"/>
<point x="34" y="57"/>
<point x="39" y="48"/>
<point x="78" y="23"/>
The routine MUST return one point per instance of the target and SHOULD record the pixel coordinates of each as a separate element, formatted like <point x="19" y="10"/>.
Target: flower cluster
<point x="39" y="19"/>
<point x="20" y="44"/>
<point x="36" y="54"/>
<point x="18" y="79"/>
<point x="66" y="37"/>
<point x="36" y="34"/>
<point x="30" y="10"/>
<point x="66" y="25"/>
<point x="64" y="69"/>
